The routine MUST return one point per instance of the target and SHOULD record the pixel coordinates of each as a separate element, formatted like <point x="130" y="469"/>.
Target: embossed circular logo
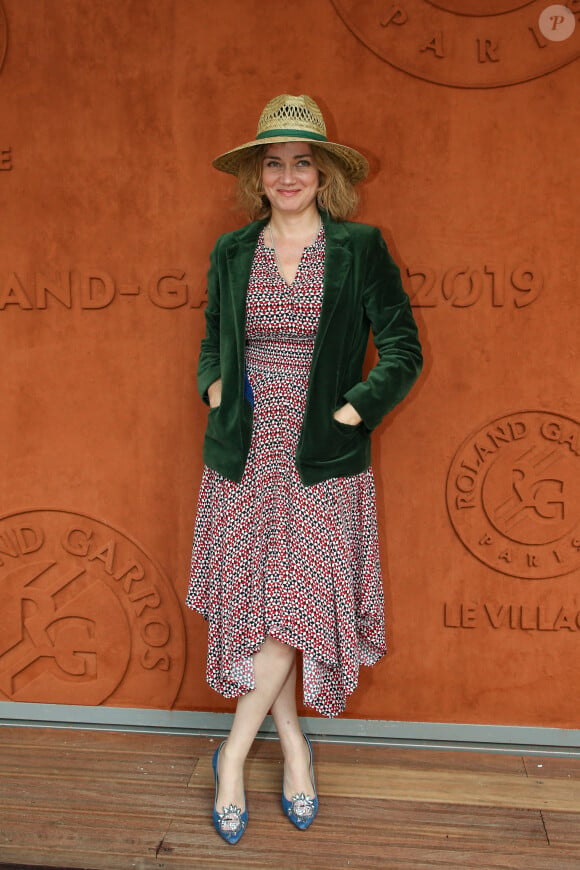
<point x="513" y="494"/>
<point x="3" y="34"/>
<point x="87" y="616"/>
<point x="463" y="43"/>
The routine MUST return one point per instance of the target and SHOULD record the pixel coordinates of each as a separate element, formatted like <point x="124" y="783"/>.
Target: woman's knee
<point x="275" y="648"/>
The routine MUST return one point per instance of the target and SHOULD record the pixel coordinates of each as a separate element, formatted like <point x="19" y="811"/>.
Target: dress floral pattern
<point x="270" y="555"/>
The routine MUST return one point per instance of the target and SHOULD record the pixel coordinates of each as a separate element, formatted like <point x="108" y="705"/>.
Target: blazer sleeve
<point x="208" y="368"/>
<point x="395" y="336"/>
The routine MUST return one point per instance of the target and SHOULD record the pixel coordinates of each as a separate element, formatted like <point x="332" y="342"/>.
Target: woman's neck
<point x="295" y="226"/>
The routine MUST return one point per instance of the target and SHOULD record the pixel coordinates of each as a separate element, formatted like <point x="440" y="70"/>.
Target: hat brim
<point x="355" y="164"/>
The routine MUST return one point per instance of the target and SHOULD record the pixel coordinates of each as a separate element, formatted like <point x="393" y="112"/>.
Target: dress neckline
<point x="273" y="260"/>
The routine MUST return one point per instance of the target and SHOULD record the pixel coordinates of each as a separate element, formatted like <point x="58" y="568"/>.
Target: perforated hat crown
<point x="295" y="114"/>
<point x="287" y="118"/>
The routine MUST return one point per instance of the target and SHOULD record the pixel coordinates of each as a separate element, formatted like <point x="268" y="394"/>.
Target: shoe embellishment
<point x="230" y="820"/>
<point x="302" y="806"/>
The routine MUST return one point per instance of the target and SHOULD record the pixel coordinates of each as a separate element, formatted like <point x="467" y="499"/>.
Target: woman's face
<point x="290" y="177"/>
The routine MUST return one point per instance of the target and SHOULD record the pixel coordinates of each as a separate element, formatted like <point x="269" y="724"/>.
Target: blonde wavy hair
<point x="336" y="194"/>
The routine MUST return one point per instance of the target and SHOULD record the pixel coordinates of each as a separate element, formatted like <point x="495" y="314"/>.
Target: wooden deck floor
<point x="102" y="800"/>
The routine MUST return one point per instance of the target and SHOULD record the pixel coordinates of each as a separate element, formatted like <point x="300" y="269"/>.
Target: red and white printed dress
<point x="270" y="555"/>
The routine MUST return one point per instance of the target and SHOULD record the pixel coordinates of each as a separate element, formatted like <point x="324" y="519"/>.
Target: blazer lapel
<point x="338" y="259"/>
<point x="239" y="256"/>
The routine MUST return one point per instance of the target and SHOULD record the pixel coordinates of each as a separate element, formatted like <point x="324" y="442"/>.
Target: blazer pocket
<point x="345" y="428"/>
<point x="212" y="424"/>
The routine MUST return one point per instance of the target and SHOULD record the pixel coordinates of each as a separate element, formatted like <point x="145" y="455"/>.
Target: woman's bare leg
<point x="272" y="664"/>
<point x="296" y="754"/>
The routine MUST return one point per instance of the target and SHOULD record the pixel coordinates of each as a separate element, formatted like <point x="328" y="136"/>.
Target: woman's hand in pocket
<point x="214" y="393"/>
<point x="348" y="415"/>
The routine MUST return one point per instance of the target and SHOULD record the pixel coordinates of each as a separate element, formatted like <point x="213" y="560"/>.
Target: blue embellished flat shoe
<point x="231" y="822"/>
<point x="301" y="809"/>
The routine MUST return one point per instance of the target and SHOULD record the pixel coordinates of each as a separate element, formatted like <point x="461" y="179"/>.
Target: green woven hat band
<point x="293" y="134"/>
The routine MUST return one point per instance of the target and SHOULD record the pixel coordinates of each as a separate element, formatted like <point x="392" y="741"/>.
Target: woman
<point x="285" y="553"/>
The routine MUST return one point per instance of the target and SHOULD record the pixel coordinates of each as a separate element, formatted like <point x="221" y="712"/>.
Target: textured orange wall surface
<point x="110" y="115"/>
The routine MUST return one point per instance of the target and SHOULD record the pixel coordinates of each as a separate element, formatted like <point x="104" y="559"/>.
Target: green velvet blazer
<point x="362" y="292"/>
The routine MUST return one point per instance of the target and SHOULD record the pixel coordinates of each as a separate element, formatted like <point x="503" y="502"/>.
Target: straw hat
<point x="287" y="119"/>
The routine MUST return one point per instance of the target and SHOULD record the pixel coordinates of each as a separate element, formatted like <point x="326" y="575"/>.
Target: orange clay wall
<point x="111" y="112"/>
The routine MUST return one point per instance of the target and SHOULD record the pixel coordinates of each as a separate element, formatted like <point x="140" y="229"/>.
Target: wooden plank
<point x="114" y="803"/>
<point x="84" y="858"/>
<point x="113" y="798"/>
<point x="458" y="787"/>
<point x="186" y="746"/>
<point x="382" y="857"/>
<point x="552" y="768"/>
<point x="69" y="839"/>
<point x="563" y="829"/>
<point x="67" y="764"/>
<point x="352" y="833"/>
<point x="86" y="741"/>
<point x="394" y="756"/>
<point x="271" y="841"/>
<point x="471" y="789"/>
<point x="430" y="759"/>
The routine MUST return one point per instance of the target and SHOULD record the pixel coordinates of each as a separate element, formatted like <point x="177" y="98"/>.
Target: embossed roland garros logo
<point x="87" y="616"/>
<point x="513" y="494"/>
<point x="463" y="43"/>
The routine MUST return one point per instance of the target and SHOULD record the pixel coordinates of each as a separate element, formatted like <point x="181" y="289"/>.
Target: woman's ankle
<point x="233" y="755"/>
